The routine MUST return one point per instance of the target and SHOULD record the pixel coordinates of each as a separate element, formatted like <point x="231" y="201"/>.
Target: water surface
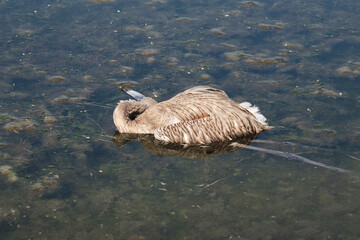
<point x="62" y="177"/>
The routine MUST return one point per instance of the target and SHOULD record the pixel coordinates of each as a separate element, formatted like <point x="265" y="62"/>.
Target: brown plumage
<point x="200" y="115"/>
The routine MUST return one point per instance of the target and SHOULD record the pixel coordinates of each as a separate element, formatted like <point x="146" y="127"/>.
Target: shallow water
<point x="62" y="177"/>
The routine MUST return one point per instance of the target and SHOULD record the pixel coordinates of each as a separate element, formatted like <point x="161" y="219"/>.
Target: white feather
<point x="255" y="111"/>
<point x="138" y="96"/>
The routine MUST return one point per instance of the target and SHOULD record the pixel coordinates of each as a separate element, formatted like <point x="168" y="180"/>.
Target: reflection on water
<point x="61" y="176"/>
<point x="160" y="148"/>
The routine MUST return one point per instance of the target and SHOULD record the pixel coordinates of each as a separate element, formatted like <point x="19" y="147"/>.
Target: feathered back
<point x="200" y="115"/>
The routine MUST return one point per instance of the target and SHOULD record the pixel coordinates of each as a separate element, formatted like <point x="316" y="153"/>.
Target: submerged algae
<point x="106" y="192"/>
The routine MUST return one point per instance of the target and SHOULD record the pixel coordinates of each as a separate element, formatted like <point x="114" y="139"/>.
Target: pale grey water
<point x="62" y="177"/>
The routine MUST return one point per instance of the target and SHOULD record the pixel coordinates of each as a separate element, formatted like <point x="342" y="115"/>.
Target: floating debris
<point x="285" y="52"/>
<point x="205" y="76"/>
<point x="190" y="41"/>
<point x="146" y="52"/>
<point x="134" y="29"/>
<point x="173" y="61"/>
<point x="88" y="78"/>
<point x="50" y="120"/>
<point x="155" y="2"/>
<point x="185" y="19"/>
<point x="236" y="55"/>
<point x="345" y="70"/>
<point x="64" y="98"/>
<point x="328" y="131"/>
<point x="326" y="92"/>
<point x="18" y="94"/>
<point x="356" y="64"/>
<point x="3" y="144"/>
<point x="228" y="46"/>
<point x="277" y="26"/>
<point x="292" y="45"/>
<point x="315" y="26"/>
<point x="22" y="31"/>
<point x="264" y="61"/>
<point x="154" y="34"/>
<point x="127" y="84"/>
<point x="100" y="1"/>
<point x="126" y="69"/>
<point x="232" y="13"/>
<point x="113" y="61"/>
<point x="150" y="60"/>
<point x="218" y="32"/>
<point x="20" y="125"/>
<point x="56" y="79"/>
<point x="249" y="4"/>
<point x="9" y="173"/>
<point x="188" y="55"/>
<point x="6" y="116"/>
<point x="151" y="78"/>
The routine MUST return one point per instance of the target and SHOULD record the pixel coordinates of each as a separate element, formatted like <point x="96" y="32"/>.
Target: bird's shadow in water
<point x="160" y="148"/>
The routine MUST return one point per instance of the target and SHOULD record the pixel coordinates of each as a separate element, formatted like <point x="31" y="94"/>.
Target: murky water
<point x="62" y="177"/>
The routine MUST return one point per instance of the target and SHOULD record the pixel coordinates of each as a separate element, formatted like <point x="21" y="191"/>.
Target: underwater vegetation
<point x="64" y="65"/>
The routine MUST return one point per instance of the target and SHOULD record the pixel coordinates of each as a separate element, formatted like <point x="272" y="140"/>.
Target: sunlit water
<point x="62" y="177"/>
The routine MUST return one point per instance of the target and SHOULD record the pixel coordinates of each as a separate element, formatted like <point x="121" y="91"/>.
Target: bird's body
<point x="200" y="115"/>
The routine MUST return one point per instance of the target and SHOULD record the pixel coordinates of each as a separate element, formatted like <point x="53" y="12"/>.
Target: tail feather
<point x="255" y="111"/>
